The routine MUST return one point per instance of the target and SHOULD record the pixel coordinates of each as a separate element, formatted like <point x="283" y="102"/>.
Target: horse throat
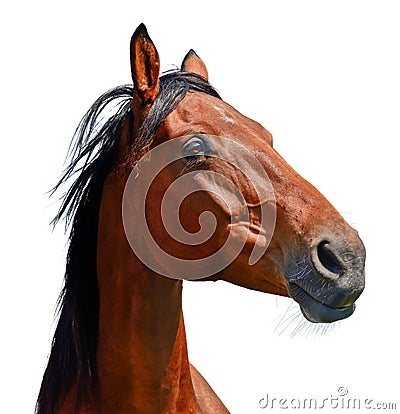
<point x="142" y="358"/>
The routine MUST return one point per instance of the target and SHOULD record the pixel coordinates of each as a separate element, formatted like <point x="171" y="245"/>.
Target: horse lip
<point x="316" y="311"/>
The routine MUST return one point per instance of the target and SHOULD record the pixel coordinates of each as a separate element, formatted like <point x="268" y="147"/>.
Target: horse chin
<point x="318" y="312"/>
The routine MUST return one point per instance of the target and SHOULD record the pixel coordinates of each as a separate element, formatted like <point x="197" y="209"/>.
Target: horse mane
<point x="92" y="156"/>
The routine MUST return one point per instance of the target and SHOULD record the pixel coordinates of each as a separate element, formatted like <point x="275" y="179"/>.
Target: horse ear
<point x="145" y="66"/>
<point x="192" y="63"/>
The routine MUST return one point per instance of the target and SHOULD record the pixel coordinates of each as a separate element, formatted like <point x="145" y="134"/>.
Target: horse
<point x="120" y="345"/>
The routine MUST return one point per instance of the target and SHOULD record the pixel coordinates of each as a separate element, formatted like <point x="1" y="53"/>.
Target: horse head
<point x="219" y="203"/>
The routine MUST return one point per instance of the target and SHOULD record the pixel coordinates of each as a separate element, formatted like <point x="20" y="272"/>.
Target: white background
<point x="322" y="76"/>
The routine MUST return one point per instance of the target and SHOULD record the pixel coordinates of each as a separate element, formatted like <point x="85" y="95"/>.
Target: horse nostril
<point x="328" y="258"/>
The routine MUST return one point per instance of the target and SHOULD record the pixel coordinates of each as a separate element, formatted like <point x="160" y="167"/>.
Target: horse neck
<point x="142" y="356"/>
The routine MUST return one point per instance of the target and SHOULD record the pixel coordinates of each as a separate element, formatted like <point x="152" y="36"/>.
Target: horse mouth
<point x="316" y="311"/>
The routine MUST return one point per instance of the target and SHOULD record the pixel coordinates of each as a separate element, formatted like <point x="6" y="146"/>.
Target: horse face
<point x="313" y="254"/>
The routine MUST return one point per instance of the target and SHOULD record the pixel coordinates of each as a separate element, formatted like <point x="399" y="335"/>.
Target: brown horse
<point x="120" y="344"/>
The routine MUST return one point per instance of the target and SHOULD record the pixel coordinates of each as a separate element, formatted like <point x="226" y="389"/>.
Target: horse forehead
<point x="199" y="109"/>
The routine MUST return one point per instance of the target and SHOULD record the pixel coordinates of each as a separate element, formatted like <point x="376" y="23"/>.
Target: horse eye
<point x="194" y="148"/>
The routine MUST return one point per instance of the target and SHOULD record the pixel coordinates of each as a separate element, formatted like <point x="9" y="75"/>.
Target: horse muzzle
<point x="329" y="279"/>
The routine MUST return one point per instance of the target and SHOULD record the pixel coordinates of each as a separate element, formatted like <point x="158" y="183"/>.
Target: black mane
<point x="92" y="156"/>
